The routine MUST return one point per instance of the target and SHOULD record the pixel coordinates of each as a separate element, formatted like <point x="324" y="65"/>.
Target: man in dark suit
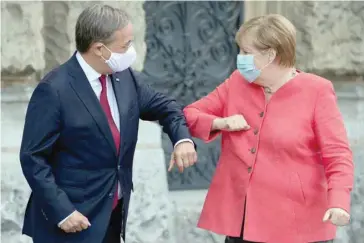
<point x="80" y="135"/>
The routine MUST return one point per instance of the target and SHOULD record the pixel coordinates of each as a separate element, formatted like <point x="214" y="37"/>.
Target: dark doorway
<point x="191" y="50"/>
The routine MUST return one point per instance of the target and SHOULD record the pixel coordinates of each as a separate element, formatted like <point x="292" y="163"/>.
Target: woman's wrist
<point x="218" y="124"/>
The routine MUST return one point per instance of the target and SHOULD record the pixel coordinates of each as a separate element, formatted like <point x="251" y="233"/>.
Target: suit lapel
<point x="123" y="98"/>
<point x="83" y="89"/>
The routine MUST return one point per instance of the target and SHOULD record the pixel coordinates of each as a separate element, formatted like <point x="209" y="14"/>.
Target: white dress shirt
<point x="93" y="77"/>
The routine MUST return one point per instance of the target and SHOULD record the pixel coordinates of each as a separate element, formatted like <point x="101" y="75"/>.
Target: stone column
<point x="22" y="49"/>
<point x="254" y="9"/>
<point x="59" y="29"/>
<point x="330" y="38"/>
<point x="22" y="45"/>
<point x="55" y="32"/>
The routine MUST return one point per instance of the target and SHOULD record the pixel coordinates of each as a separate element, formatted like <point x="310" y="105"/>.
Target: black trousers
<point x="230" y="239"/>
<point x="114" y="233"/>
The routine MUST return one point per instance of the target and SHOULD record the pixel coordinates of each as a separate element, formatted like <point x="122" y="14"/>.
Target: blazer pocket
<point x="71" y="177"/>
<point x="296" y="192"/>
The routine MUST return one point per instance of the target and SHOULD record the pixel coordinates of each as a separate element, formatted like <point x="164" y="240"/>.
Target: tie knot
<point x="103" y="80"/>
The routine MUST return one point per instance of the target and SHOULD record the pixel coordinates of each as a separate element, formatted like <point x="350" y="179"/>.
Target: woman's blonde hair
<point x="272" y="31"/>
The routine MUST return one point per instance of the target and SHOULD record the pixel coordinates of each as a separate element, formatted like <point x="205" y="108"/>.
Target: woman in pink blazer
<point x="285" y="175"/>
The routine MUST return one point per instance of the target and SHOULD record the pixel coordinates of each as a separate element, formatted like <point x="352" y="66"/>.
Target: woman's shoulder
<point x="236" y="80"/>
<point x="235" y="76"/>
<point x="314" y="81"/>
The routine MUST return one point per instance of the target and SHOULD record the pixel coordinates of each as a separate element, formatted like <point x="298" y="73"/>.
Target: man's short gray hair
<point x="98" y="23"/>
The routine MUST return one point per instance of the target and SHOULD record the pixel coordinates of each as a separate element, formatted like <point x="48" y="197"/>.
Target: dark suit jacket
<point x="68" y="155"/>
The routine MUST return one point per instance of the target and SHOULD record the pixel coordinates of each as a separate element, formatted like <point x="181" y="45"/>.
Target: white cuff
<point x="184" y="140"/>
<point x="60" y="223"/>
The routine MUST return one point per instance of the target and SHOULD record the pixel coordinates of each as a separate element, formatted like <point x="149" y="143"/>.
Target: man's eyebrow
<point x="127" y="43"/>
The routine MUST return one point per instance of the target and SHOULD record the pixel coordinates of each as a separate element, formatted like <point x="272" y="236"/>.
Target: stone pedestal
<point x="187" y="209"/>
<point x="14" y="188"/>
<point x="150" y="215"/>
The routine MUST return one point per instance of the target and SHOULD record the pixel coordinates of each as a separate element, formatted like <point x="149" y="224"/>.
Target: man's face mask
<point x="120" y="61"/>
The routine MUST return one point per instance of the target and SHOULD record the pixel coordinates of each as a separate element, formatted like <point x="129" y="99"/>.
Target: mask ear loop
<point x="270" y="62"/>
<point x="108" y="50"/>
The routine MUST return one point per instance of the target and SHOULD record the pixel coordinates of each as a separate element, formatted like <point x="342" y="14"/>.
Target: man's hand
<point x="337" y="216"/>
<point x="184" y="155"/>
<point x="230" y="124"/>
<point x="75" y="223"/>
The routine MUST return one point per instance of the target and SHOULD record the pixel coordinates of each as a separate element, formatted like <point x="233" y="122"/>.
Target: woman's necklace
<point x="268" y="90"/>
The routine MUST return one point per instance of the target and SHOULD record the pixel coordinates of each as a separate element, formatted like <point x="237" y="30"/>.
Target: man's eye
<point x="128" y="44"/>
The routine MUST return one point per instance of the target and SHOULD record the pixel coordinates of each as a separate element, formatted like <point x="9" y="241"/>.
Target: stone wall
<point x="22" y="44"/>
<point x="38" y="36"/>
<point x="330" y="34"/>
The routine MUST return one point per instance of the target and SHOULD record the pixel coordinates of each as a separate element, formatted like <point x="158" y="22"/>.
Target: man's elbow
<point x="28" y="165"/>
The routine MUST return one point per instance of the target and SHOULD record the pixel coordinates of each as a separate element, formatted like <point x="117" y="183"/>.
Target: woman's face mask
<point x="247" y="68"/>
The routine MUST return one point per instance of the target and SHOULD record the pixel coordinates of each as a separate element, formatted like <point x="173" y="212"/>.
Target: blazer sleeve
<point x="41" y="131"/>
<point x="155" y="106"/>
<point x="202" y="113"/>
<point x="336" y="154"/>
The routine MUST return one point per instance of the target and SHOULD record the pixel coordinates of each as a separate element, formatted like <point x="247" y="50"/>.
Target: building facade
<point x="185" y="49"/>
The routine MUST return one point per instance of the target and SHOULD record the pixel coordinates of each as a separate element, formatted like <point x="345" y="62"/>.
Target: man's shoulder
<point x="128" y="73"/>
<point x="56" y="77"/>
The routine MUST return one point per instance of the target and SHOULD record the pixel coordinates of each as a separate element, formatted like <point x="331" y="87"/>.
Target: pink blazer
<point x="289" y="168"/>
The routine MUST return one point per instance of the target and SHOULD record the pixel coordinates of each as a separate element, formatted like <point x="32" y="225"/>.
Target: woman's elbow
<point x="191" y="115"/>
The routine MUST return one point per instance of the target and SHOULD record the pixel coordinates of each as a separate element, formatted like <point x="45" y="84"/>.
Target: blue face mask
<point x="247" y="68"/>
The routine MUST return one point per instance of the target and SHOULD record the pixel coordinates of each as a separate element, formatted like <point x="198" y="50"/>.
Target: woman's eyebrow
<point x="246" y="50"/>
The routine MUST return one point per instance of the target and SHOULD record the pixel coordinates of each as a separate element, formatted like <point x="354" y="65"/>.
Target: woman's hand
<point x="337" y="216"/>
<point x="230" y="124"/>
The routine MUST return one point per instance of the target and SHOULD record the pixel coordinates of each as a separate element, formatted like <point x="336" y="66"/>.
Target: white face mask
<point x="120" y="61"/>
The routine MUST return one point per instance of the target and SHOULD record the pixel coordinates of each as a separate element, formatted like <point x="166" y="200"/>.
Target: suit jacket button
<point x="256" y="130"/>
<point x="253" y="150"/>
<point x="249" y="169"/>
<point x="111" y="194"/>
<point x="118" y="167"/>
<point x="261" y="114"/>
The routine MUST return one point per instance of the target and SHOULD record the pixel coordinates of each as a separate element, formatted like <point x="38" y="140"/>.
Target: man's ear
<point x="96" y="48"/>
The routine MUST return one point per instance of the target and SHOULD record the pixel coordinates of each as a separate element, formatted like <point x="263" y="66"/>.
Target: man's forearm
<point x="54" y="202"/>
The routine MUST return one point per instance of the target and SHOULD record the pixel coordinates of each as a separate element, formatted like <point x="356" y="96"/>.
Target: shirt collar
<point x="91" y="74"/>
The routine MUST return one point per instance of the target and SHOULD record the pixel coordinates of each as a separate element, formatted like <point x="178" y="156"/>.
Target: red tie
<point x="114" y="130"/>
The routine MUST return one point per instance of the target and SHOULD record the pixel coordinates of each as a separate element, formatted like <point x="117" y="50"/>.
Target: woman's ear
<point x="272" y="54"/>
